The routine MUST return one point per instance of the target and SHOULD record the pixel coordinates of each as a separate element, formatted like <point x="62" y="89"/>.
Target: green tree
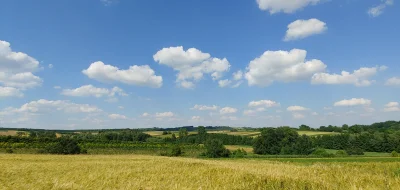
<point x="176" y="151"/>
<point x="183" y="132"/>
<point x="201" y="134"/>
<point x="345" y="127"/>
<point x="304" y="128"/>
<point x="215" y="149"/>
<point x="275" y="141"/>
<point x="303" y="145"/>
<point x="173" y="137"/>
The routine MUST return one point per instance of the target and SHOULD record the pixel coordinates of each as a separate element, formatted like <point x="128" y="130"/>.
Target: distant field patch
<point x="237" y="133"/>
<point x="154" y="133"/>
<point x="248" y="149"/>
<point x="314" y="133"/>
<point x="8" y="133"/>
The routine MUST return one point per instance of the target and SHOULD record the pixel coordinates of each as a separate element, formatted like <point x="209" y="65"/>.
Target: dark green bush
<point x="322" y="153"/>
<point x="239" y="153"/>
<point x="355" y="151"/>
<point x="215" y="149"/>
<point x="176" y="151"/>
<point x="64" y="146"/>
<point x="341" y="153"/>
<point x="395" y="154"/>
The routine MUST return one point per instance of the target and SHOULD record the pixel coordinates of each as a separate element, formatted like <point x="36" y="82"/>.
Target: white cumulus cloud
<point x="265" y="103"/>
<point x="354" y="102"/>
<point x="10" y="92"/>
<point x="20" y="80"/>
<point x="117" y="116"/>
<point x="394" y="81"/>
<point x="378" y="10"/>
<point x="15" y="62"/>
<point x="238" y="75"/>
<point x="204" y="107"/>
<point x="282" y="66"/>
<point x="296" y="108"/>
<point x="16" y="68"/>
<point x="235" y="82"/>
<point x="286" y="6"/>
<point x="165" y="114"/>
<point x="136" y="75"/>
<point x="46" y="106"/>
<point x="191" y="64"/>
<point x="392" y="107"/>
<point x="300" y="29"/>
<point x="227" y="110"/>
<point x="224" y="83"/>
<point x="360" y="77"/>
<point x="90" y="90"/>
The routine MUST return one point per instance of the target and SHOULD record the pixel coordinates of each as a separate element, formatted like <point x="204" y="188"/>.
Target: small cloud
<point x="108" y="2"/>
<point x="50" y="66"/>
<point x="57" y="87"/>
<point x="378" y="10"/>
<point x="301" y="29"/>
<point x="353" y="102"/>
<point x="227" y="110"/>
<point x="394" y="81"/>
<point x="298" y="116"/>
<point x="117" y="116"/>
<point x="296" y="108"/>
<point x="392" y="107"/>
<point x="196" y="118"/>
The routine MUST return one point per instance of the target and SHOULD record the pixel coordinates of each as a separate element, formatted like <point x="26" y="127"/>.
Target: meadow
<point x="156" y="172"/>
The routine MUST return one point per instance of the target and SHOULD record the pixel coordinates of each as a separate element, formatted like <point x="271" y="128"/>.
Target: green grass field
<point x="155" y="172"/>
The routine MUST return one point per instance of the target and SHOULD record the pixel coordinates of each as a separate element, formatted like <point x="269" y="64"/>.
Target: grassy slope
<point x="151" y="172"/>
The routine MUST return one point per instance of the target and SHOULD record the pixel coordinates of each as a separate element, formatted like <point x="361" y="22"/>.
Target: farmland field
<point x="238" y="133"/>
<point x="8" y="132"/>
<point x="153" y="172"/>
<point x="314" y="133"/>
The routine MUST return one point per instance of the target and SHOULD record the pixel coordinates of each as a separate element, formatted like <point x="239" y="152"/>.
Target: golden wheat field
<point x="153" y="172"/>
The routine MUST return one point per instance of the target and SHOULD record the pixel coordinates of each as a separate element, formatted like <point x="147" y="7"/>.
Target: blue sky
<point x="117" y="64"/>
